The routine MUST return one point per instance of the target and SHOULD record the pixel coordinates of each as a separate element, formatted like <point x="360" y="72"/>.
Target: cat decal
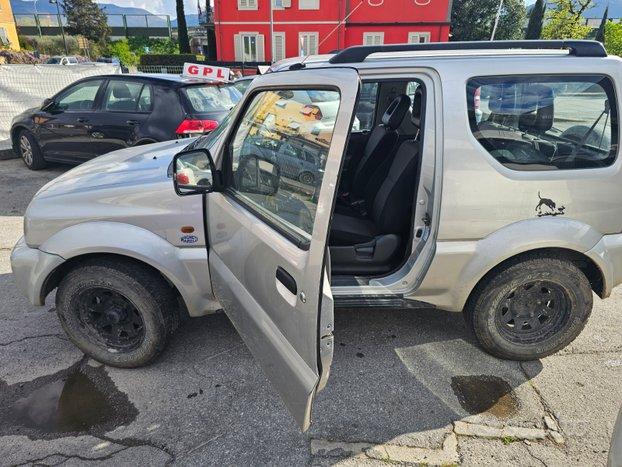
<point x="548" y="207"/>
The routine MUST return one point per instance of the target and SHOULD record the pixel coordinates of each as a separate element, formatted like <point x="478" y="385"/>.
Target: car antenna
<point x="301" y="65"/>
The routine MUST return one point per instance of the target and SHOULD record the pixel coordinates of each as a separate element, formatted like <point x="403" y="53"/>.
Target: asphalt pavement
<point x="406" y="387"/>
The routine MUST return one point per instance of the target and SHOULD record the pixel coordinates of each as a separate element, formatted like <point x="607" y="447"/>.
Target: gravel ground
<point x="406" y="386"/>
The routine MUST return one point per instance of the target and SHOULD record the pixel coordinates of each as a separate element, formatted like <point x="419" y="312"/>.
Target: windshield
<point x="210" y="97"/>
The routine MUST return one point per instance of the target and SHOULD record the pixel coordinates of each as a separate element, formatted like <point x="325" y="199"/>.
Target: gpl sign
<point x="193" y="70"/>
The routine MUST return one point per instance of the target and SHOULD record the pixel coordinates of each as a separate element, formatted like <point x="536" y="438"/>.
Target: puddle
<point x="491" y="394"/>
<point x="81" y="399"/>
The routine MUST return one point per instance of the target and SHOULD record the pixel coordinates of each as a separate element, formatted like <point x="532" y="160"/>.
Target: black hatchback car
<point x="100" y="114"/>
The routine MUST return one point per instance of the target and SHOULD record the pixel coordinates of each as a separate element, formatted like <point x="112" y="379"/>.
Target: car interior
<point x="371" y="229"/>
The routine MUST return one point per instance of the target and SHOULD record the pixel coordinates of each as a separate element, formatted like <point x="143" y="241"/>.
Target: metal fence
<point x="120" y="25"/>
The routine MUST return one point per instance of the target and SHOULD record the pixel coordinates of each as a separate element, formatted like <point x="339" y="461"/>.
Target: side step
<point x="378" y="301"/>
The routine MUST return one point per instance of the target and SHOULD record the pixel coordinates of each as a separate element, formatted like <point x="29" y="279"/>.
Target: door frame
<point x="406" y="280"/>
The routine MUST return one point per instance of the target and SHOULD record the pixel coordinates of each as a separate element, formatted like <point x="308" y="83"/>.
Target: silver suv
<point x="483" y="178"/>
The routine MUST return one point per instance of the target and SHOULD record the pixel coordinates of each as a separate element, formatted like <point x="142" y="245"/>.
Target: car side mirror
<point x="194" y="172"/>
<point x="47" y="103"/>
<point x="257" y="175"/>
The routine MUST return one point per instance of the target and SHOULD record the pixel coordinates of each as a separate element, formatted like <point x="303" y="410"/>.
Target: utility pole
<point x="271" y="31"/>
<point x="494" y="29"/>
<point x="60" y="23"/>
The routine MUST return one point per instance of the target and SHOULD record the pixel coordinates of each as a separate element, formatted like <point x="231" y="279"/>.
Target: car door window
<point x="275" y="127"/>
<point x="122" y="96"/>
<point x="366" y="107"/>
<point x="144" y="101"/>
<point x="79" y="97"/>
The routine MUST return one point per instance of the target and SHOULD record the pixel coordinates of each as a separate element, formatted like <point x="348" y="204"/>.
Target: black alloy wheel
<point x="532" y="312"/>
<point x="111" y="319"/>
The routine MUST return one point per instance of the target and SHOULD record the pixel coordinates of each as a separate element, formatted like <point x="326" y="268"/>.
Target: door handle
<point x="132" y="122"/>
<point x="287" y="280"/>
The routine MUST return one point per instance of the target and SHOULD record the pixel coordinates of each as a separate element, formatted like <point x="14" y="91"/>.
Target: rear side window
<point x="127" y="96"/>
<point x="212" y="97"/>
<point x="545" y="122"/>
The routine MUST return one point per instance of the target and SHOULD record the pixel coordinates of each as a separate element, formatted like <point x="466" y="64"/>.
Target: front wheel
<point x="29" y="150"/>
<point x="117" y="312"/>
<point x="530" y="308"/>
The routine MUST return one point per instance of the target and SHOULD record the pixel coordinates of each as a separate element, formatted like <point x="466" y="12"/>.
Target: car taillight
<point x="192" y="126"/>
<point x="182" y="178"/>
<point x="312" y="111"/>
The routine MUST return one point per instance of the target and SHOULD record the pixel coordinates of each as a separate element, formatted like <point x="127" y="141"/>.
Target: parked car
<point x="511" y="216"/>
<point x="100" y="114"/>
<point x="62" y="60"/>
<point x="242" y="84"/>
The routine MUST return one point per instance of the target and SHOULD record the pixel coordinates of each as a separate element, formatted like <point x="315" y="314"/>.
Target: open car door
<point x="268" y="224"/>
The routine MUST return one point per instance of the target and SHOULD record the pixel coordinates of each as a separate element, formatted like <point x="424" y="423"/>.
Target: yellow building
<point x="8" y="31"/>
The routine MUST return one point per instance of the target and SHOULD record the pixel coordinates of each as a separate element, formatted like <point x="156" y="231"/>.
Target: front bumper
<point x="31" y="268"/>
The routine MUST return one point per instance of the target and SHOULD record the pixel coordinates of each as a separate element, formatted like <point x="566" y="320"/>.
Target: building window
<point x="373" y="38"/>
<point x="308" y="43"/>
<point x="309" y="4"/>
<point x="278" y="46"/>
<point x="418" y="37"/>
<point x="247" y="4"/>
<point x="249" y="47"/>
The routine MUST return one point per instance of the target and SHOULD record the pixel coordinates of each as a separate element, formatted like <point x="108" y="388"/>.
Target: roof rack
<point x="579" y="48"/>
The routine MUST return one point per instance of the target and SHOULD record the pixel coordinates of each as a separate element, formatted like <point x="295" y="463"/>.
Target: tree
<point x="565" y="20"/>
<point x="182" y="29"/>
<point x="473" y="20"/>
<point x="86" y="18"/>
<point x="613" y="38"/>
<point x="534" y="28"/>
<point x="600" y="34"/>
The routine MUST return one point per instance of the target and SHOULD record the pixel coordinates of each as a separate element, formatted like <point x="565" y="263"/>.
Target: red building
<point x="302" y="27"/>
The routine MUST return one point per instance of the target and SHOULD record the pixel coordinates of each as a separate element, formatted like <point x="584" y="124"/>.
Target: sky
<point x="158" y="7"/>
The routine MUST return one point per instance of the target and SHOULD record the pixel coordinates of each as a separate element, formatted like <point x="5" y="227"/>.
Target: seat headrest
<point x="532" y="103"/>
<point x="541" y="118"/>
<point x="417" y="108"/>
<point x="121" y="91"/>
<point x="396" y="112"/>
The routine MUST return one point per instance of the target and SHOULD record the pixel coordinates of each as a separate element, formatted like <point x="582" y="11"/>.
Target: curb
<point x="6" y="154"/>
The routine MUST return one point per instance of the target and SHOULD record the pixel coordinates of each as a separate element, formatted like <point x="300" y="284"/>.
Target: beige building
<point x="8" y="31"/>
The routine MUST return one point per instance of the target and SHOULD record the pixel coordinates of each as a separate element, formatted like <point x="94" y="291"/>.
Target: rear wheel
<point x="30" y="151"/>
<point x="117" y="312"/>
<point x="307" y="178"/>
<point x="530" y="308"/>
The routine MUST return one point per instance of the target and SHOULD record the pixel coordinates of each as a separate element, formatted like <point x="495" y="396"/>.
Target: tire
<point x="117" y="312"/>
<point x="307" y="178"/>
<point x="530" y="308"/>
<point x="29" y="150"/>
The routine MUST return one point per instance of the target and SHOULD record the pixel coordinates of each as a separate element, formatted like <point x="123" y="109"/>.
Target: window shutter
<point x="312" y="44"/>
<point x="237" y="47"/>
<point x="278" y="46"/>
<point x="309" y="4"/>
<point x="242" y="4"/>
<point x="261" y="55"/>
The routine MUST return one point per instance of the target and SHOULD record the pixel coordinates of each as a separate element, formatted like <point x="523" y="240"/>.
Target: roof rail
<point x="579" y="48"/>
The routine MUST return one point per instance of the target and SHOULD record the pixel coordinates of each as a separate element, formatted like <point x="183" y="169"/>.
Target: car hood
<point x="131" y="166"/>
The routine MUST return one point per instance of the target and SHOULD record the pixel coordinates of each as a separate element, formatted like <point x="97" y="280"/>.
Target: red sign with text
<point x="194" y="70"/>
